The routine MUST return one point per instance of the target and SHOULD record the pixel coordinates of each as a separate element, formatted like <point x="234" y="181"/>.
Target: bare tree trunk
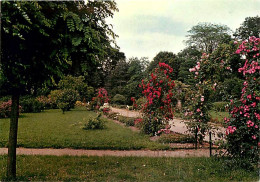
<point x="11" y="159"/>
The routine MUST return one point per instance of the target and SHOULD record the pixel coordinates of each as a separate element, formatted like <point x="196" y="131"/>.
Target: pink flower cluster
<point x="230" y="130"/>
<point x="196" y="68"/>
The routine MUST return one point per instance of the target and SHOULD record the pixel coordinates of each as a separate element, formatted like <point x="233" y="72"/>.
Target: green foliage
<point x="118" y="99"/>
<point x="220" y="106"/>
<point x="94" y="123"/>
<point x="77" y="84"/>
<point x="66" y="99"/>
<point x="140" y="103"/>
<point x="150" y="125"/>
<point x="250" y="27"/>
<point x="30" y="104"/>
<point x="128" y="121"/>
<point x="206" y="36"/>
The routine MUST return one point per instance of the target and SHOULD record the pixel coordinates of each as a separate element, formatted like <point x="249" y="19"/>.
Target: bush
<point x="54" y="96"/>
<point x="5" y="99"/>
<point x="140" y="103"/>
<point x="75" y="83"/>
<point x="30" y="104"/>
<point x="119" y="99"/>
<point x="128" y="121"/>
<point x="47" y="102"/>
<point x="150" y="126"/>
<point x="176" y="138"/>
<point x="95" y="123"/>
<point x="5" y="109"/>
<point x="220" y="106"/>
<point x="66" y="99"/>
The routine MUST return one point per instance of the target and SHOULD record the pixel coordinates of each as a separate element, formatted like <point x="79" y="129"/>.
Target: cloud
<point x="146" y="27"/>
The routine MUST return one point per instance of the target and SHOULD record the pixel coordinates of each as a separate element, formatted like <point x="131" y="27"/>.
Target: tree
<point x="187" y="58"/>
<point x="250" y="27"/>
<point x="206" y="36"/>
<point x="39" y="40"/>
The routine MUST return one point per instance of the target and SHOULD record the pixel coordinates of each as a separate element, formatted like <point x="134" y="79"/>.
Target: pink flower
<point x="202" y="99"/>
<point x="198" y="110"/>
<point x="254" y="137"/>
<point x="196" y="73"/>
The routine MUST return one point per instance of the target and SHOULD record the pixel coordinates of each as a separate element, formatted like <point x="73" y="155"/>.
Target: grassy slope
<point x="52" y="129"/>
<point x="67" y="168"/>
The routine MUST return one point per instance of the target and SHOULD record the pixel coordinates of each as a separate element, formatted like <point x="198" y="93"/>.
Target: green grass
<point x="66" y="168"/>
<point x="52" y="129"/>
<point x="218" y="117"/>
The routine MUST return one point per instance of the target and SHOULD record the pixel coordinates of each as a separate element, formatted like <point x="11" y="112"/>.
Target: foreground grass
<point x="65" y="168"/>
<point x="52" y="129"/>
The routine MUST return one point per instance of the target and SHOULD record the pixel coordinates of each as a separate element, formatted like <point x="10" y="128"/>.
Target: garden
<point x="190" y="116"/>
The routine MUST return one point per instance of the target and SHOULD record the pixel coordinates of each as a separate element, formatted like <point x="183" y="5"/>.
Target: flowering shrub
<point x="158" y="94"/>
<point x="134" y="103"/>
<point x="100" y="99"/>
<point x="242" y="132"/>
<point x="5" y="109"/>
<point x="47" y="102"/>
<point x="200" y="105"/>
<point x="30" y="104"/>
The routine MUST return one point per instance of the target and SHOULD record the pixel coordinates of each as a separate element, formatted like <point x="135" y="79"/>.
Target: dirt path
<point x="177" y="125"/>
<point x="138" y="153"/>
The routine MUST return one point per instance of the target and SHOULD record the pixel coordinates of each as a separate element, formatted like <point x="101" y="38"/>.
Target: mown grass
<point x="52" y="129"/>
<point x="218" y="117"/>
<point x="66" y="168"/>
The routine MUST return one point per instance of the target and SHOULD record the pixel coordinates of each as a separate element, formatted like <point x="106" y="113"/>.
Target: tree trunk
<point x="11" y="160"/>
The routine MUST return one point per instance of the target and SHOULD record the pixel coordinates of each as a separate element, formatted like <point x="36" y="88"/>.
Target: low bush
<point x="150" y="126"/>
<point x="47" y="102"/>
<point x="95" y="123"/>
<point x="67" y="99"/>
<point x="5" y="109"/>
<point x="140" y="103"/>
<point x="128" y="121"/>
<point x="175" y="138"/>
<point x="5" y="98"/>
<point x="220" y="106"/>
<point x="119" y="99"/>
<point x="30" y="104"/>
<point x="112" y="115"/>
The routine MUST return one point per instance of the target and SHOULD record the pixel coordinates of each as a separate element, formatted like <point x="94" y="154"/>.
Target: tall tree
<point x="39" y="43"/>
<point x="250" y="27"/>
<point x="206" y="36"/>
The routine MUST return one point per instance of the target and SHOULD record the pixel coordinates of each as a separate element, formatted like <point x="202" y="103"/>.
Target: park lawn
<point x="68" y="168"/>
<point x="218" y="117"/>
<point x="52" y="129"/>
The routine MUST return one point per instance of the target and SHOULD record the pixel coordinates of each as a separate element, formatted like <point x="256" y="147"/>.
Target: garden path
<point x="119" y="153"/>
<point x="177" y="125"/>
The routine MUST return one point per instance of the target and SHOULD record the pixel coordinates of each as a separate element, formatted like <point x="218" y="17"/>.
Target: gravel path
<point x="177" y="125"/>
<point x="137" y="153"/>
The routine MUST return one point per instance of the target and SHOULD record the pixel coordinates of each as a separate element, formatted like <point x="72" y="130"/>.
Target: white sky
<point x="146" y="27"/>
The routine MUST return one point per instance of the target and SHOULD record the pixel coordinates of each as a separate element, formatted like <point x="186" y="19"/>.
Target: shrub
<point x="95" y="123"/>
<point x="175" y="138"/>
<point x="66" y="99"/>
<point x="150" y="125"/>
<point x="74" y="83"/>
<point x="54" y="96"/>
<point x="220" y="106"/>
<point x="128" y="121"/>
<point x="99" y="100"/>
<point x="140" y="103"/>
<point x="5" y="109"/>
<point x="112" y="115"/>
<point x="31" y="104"/>
<point x="5" y="99"/>
<point x="119" y="99"/>
<point x="46" y="102"/>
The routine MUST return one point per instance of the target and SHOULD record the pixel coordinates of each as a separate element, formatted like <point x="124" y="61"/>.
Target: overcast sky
<point x="146" y="27"/>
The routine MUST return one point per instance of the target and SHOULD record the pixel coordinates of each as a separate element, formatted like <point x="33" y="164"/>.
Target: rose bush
<point x="158" y="93"/>
<point x="242" y="132"/>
